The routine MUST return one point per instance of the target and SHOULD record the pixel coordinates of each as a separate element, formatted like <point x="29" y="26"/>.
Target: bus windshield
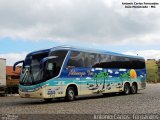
<point x="33" y="73"/>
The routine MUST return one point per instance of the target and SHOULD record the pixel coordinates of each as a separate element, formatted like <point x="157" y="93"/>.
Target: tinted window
<point x="117" y="62"/>
<point x="138" y="63"/>
<point x="35" y="62"/>
<point x="53" y="66"/>
<point x="76" y="59"/>
<point x="61" y="54"/>
<point x="91" y="60"/>
<point x="108" y="61"/>
<point x="105" y="61"/>
<point x="83" y="59"/>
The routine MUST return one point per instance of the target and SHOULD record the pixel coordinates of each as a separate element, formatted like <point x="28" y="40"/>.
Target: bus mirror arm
<point x="70" y="67"/>
<point x="15" y="64"/>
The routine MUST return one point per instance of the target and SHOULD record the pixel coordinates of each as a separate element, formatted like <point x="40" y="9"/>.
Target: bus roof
<point x="83" y="50"/>
<point x="94" y="51"/>
<point x="38" y="51"/>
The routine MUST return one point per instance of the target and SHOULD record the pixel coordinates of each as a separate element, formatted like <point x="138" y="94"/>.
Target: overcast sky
<point x="28" y="25"/>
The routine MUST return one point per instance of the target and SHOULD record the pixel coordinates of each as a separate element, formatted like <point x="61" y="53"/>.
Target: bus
<point x="67" y="72"/>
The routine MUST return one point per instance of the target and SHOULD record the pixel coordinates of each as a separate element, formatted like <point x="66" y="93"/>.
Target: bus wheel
<point x="70" y="94"/>
<point x="134" y="88"/>
<point x="126" y="89"/>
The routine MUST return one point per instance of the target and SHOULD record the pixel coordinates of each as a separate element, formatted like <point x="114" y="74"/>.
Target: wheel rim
<point x="134" y="89"/>
<point x="126" y="89"/>
<point x="71" y="94"/>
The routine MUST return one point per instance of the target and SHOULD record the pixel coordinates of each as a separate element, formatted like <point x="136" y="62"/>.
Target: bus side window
<point x="126" y="63"/>
<point x="96" y="61"/>
<point x="91" y="60"/>
<point x="105" y="61"/>
<point x="138" y="63"/>
<point x="76" y="59"/>
<point x="120" y="62"/>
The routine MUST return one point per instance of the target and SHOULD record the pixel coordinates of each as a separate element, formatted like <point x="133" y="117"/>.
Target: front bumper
<point x="44" y="92"/>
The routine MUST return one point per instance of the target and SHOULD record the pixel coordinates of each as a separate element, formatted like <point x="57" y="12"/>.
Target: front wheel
<point x="126" y="89"/>
<point x="70" y="94"/>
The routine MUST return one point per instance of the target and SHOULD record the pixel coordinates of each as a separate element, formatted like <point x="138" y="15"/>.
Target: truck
<point x="12" y="79"/>
<point x="2" y="76"/>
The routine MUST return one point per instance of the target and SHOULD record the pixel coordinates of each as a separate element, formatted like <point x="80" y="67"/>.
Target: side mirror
<point x="15" y="64"/>
<point x="44" y="60"/>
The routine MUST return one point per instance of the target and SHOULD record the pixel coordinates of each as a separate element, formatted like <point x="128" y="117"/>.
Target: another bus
<point x="67" y="72"/>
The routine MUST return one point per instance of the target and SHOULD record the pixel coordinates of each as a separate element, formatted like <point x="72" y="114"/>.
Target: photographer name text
<point x="140" y="4"/>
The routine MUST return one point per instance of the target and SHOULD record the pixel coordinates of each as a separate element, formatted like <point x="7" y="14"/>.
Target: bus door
<point x="75" y="68"/>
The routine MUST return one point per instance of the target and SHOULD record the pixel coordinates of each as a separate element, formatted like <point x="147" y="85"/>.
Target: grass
<point x="152" y="71"/>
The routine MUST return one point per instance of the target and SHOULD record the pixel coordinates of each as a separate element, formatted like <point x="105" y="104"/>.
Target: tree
<point x="102" y="75"/>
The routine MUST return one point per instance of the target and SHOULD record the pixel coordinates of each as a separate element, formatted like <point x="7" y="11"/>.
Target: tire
<point x="134" y="88"/>
<point x="70" y="94"/>
<point x="126" y="89"/>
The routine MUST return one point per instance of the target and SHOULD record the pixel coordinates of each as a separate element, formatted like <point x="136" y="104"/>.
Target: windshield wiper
<point x="26" y="75"/>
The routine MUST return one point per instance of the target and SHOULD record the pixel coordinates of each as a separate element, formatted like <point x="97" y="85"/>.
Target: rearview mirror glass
<point x="50" y="66"/>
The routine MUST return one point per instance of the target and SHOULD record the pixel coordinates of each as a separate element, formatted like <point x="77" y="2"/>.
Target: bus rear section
<point x="106" y="72"/>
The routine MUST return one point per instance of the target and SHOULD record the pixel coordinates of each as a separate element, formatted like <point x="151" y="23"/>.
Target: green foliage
<point x="152" y="71"/>
<point x="101" y="75"/>
<point x="125" y="75"/>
